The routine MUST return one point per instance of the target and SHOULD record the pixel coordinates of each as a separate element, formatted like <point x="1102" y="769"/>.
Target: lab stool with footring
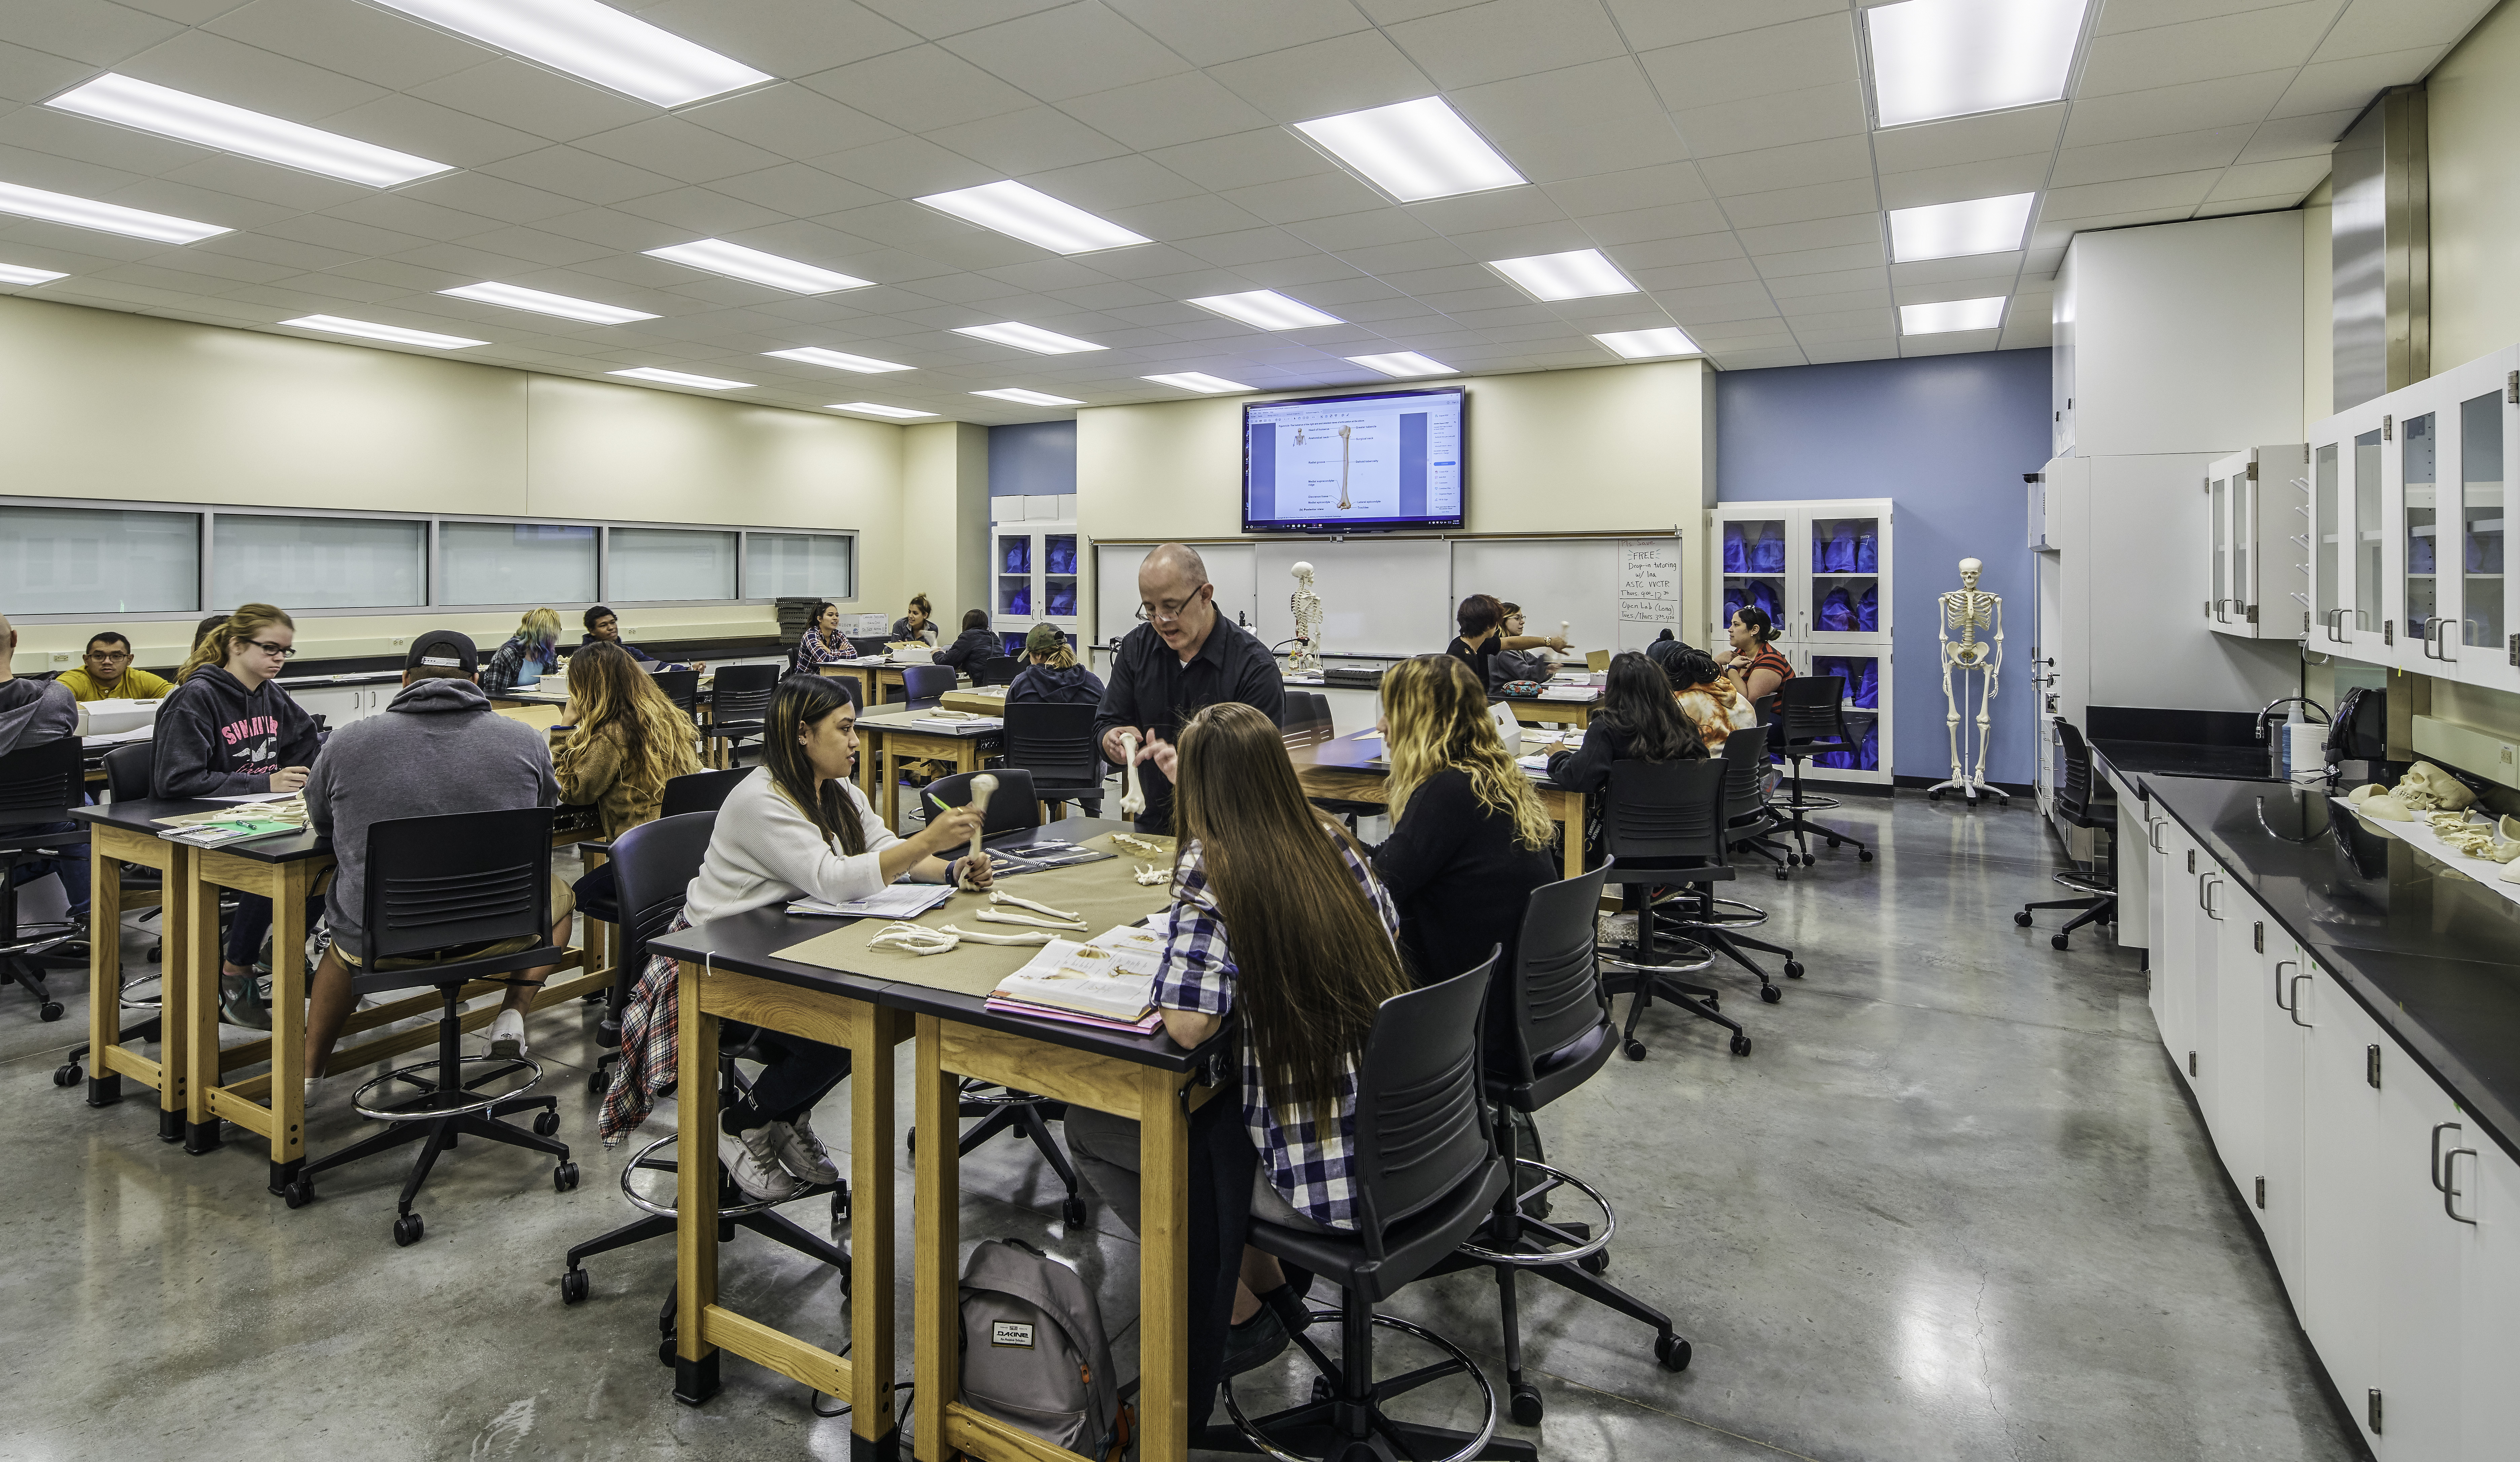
<point x="692" y="792"/>
<point x="1810" y="715"/>
<point x="1717" y="924"/>
<point x="2098" y="904"/>
<point x="1663" y="825"/>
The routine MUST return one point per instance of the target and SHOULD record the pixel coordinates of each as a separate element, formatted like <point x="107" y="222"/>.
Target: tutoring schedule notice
<point x="1367" y="461"/>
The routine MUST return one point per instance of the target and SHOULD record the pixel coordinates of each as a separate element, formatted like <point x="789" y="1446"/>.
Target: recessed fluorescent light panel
<point x="111" y="218"/>
<point x="839" y="360"/>
<point x="150" y="108"/>
<point x="1578" y="274"/>
<point x="1951" y="314"/>
<point x="1646" y="344"/>
<point x="516" y="297"/>
<point x="1404" y="363"/>
<point x="369" y="329"/>
<point x="592" y="41"/>
<point x="1028" y="338"/>
<point x="681" y="378"/>
<point x="870" y="408"/>
<point x="1023" y="397"/>
<point x="1197" y="380"/>
<point x="1265" y="309"/>
<point x="736" y="261"/>
<point x="1413" y="151"/>
<point x="1034" y="216"/>
<point x="1954" y="58"/>
<point x="20" y="274"/>
<point x="1942" y="231"/>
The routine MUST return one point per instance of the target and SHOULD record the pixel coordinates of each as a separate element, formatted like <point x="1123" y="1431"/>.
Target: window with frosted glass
<point x="515" y="563"/>
<point x="671" y="564"/>
<point x="99" y="561"/>
<point x="318" y="563"/>
<point x="793" y="566"/>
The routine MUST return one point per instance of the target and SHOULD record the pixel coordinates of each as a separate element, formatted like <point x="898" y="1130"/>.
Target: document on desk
<point x="1108" y="979"/>
<point x="892" y="901"/>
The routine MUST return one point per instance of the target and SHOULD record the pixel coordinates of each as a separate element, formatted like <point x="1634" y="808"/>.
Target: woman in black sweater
<point x="1638" y="721"/>
<point x="972" y="646"/>
<point x="1470" y="839"/>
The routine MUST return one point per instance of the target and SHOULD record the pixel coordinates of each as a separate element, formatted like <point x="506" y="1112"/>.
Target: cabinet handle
<point x="2440" y="1183"/>
<point x="2152" y="836"/>
<point x="2450" y="1190"/>
<point x="2284" y="987"/>
<point x="2294" y="1009"/>
<point x="2211" y="912"/>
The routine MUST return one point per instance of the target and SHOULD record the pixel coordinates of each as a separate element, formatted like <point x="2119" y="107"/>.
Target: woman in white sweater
<point x="796" y="828"/>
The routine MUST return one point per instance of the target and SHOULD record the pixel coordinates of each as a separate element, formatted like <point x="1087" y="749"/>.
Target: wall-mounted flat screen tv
<point x="1358" y="464"/>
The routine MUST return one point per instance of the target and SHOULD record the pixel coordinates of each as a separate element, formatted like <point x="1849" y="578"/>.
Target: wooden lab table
<point x="1578" y="714"/>
<point x="886" y="741"/>
<point x="1351" y="768"/>
<point x="120" y="833"/>
<point x="742" y="967"/>
<point x="979" y="700"/>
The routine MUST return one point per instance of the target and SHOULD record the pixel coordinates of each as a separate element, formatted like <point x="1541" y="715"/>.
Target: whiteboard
<point x="1613" y="593"/>
<point x="1388" y="597"/>
<point x="1115" y="584"/>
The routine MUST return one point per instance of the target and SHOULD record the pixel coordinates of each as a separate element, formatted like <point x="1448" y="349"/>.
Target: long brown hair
<point x="1314" y="958"/>
<point x="211" y="649"/>
<point x="1437" y="720"/>
<point x="613" y="694"/>
<point x="1637" y="702"/>
<point x="803" y="702"/>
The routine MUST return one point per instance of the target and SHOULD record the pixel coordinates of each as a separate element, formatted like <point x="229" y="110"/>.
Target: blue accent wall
<point x="1947" y="438"/>
<point x="1032" y="459"/>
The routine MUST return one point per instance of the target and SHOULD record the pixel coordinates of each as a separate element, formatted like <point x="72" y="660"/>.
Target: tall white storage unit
<point x="1822" y="571"/>
<point x="1034" y="571"/>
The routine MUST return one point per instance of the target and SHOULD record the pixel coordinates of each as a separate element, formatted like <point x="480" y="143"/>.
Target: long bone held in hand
<point x="1000" y="897"/>
<point x="982" y="786"/>
<point x="1133" y="798"/>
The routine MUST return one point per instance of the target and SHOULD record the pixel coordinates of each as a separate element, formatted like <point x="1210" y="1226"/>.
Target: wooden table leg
<point x="695" y="1361"/>
<point x="1571" y="813"/>
<point x="936" y="1285"/>
<point x="1163" y="1260"/>
<point x="198" y="970"/>
<point x="288" y="1100"/>
<point x="175" y="993"/>
<point x="104" y="975"/>
<point x="874" y="1427"/>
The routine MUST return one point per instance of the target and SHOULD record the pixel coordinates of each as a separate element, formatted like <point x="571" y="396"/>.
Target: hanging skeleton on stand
<point x="1306" y="608"/>
<point x="1967" y="612"/>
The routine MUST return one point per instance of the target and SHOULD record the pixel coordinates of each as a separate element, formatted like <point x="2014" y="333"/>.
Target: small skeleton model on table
<point x="1967" y="612"/>
<point x="1306" y="606"/>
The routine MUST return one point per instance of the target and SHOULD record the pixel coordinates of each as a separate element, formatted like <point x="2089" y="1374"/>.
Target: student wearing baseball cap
<point x="438" y="749"/>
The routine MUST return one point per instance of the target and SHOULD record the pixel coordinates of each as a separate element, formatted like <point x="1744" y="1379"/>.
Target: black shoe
<point x="1255" y="1342"/>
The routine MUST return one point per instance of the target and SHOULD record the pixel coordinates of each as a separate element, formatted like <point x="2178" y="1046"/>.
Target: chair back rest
<point x="1421" y="1118"/>
<point x="925" y="682"/>
<point x="462" y="877"/>
<point x="1666" y="812"/>
<point x="1054" y="743"/>
<point x="1745" y="766"/>
<point x="683" y="688"/>
<point x="654" y="865"/>
<point x="1551" y="996"/>
<point x="41" y="784"/>
<point x="1308" y="720"/>
<point x="1001" y="670"/>
<point x="1808" y="710"/>
<point x="2074" y="784"/>
<point x="127" y="770"/>
<point x="1013" y="808"/>
<point x="742" y="693"/>
<point x="869" y="646"/>
<point x="700" y="792"/>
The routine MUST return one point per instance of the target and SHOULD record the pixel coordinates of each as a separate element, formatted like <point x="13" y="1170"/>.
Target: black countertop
<point x="2433" y="955"/>
<point x="2177" y="759"/>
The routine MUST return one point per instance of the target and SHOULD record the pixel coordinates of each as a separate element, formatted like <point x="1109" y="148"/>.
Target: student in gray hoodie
<point x="34" y="712"/>
<point x="438" y="749"/>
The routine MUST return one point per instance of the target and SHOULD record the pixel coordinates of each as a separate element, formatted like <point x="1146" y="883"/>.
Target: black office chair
<point x="1811" y="717"/>
<point x="869" y="646"/>
<point x="1427" y="1176"/>
<point x="1748" y="819"/>
<point x="38" y="787"/>
<point x="2099" y="887"/>
<point x="1663" y="823"/>
<point x="683" y="688"/>
<point x="700" y="791"/>
<point x="693" y="792"/>
<point x="1002" y="670"/>
<point x="925" y="682"/>
<point x="656" y="862"/>
<point x="1308" y="725"/>
<point x="1014" y="807"/>
<point x="1055" y="744"/>
<point x="1548" y="1031"/>
<point x="436" y="884"/>
<point x="739" y="705"/>
<point x="126" y="779"/>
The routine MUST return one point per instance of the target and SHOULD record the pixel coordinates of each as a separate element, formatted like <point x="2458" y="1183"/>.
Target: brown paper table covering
<point x="1103" y="893"/>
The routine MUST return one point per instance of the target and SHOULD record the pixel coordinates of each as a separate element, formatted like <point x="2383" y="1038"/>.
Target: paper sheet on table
<point x="891" y="901"/>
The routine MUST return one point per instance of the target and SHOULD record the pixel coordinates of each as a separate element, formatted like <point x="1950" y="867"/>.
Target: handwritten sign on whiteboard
<point x="1649" y="584"/>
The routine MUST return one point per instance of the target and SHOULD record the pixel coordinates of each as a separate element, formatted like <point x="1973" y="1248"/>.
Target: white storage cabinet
<point x="1821" y="569"/>
<point x="2258" y="578"/>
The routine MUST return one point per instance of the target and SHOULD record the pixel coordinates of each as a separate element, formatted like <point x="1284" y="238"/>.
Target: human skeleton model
<point x="1344" y="446"/>
<point x="1969" y="612"/>
<point x="1306" y="605"/>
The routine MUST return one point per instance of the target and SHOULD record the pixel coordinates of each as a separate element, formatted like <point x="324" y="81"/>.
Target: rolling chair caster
<point x="1740" y="1045"/>
<point x="2022" y="919"/>
<point x="1526" y="1405"/>
<point x="1771" y="993"/>
<point x="407" y="1230"/>
<point x="2056" y="941"/>
<point x="1793" y="969"/>
<point x="573" y="1286"/>
<point x="49" y="1010"/>
<point x="1634" y="1050"/>
<point x="1595" y="1262"/>
<point x="546" y="1124"/>
<point x="302" y="1192"/>
<point x="1073" y="1210"/>
<point x="1673" y="1352"/>
<point x="66" y="1075"/>
<point x="563" y="1177"/>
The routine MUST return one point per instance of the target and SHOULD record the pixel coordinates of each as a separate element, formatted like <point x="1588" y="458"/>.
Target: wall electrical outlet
<point x="64" y="658"/>
<point x="398" y="642"/>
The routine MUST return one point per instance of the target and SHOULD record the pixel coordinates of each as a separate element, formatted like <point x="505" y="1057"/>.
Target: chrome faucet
<point x="2265" y="716"/>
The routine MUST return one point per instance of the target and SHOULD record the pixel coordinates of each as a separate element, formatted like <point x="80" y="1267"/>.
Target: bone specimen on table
<point x="982" y="786"/>
<point x="914" y="938"/>
<point x="1001" y="916"/>
<point x="1133" y="798"/>
<point x="1000" y="897"/>
<point x="1135" y="845"/>
<point x="1151" y="875"/>
<point x="1038" y="936"/>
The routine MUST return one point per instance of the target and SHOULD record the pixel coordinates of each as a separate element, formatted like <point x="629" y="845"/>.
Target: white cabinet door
<point x="338" y="704"/>
<point x="2159" y="875"/>
<point x="2174" y="979"/>
<point x="2284" y="1035"/>
<point x="2472" y="501"/>
<point x="2486" y="1189"/>
<point x="2352" y="549"/>
<point x="2215" y="895"/>
<point x="2422" y="1256"/>
<point x="2236" y="1061"/>
<point x="2340" y="1228"/>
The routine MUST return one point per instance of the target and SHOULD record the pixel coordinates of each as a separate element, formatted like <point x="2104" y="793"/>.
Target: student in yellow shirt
<point x="105" y="673"/>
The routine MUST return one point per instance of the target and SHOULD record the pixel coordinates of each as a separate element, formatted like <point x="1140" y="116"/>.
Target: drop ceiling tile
<point x="2341" y="85"/>
<point x="1637" y="188"/>
<point x="1834" y="352"/>
<point x="1829" y="285"/>
<point x="785" y="37"/>
<point x="81" y="139"/>
<point x="2200" y="50"/>
<point x="1440" y="279"/>
<point x="1814" y="233"/>
<point x="1297" y="199"/>
<point x="348" y="235"/>
<point x="1756" y="211"/>
<point x="1067" y="51"/>
<point x="1247" y="245"/>
<point x="705" y="213"/>
<point x="1741" y="300"/>
<point x="1791" y="262"/>
<point x="1201" y="216"/>
<point x="2224" y="102"/>
<point x="799" y="190"/>
<point x="2134" y="195"/>
<point x="1972" y="266"/>
<point x="1970" y="139"/>
<point x="1112" y="183"/>
<point x="1776" y="119"/>
<point x="680" y="151"/>
<point x="1044" y="274"/>
<point x="1494" y="295"/>
<point x="1749" y="65"/>
<point x="921" y="230"/>
<point x="1652" y="25"/>
<point x="1148" y="261"/>
<point x="1033" y="139"/>
<point x="1299" y="276"/>
<point x="1579" y="151"/>
<point x="48" y="170"/>
<point x="1524" y="316"/>
<point x="1506" y="207"/>
<point x="935" y="17"/>
<point x="1563" y="236"/>
<point x="32" y="76"/>
<point x="1696" y="250"/>
<point x="1833" y="160"/>
<point x="1644" y="225"/>
<point x="2223" y="208"/>
<point x="2297" y="136"/>
<point x="1211" y="34"/>
<point x="2370" y="28"/>
<point x="1188" y="107"/>
<point x="224" y="173"/>
<point x="2145" y="14"/>
<point x="1113" y="297"/>
<point x="795" y="121"/>
<point x="1697" y="275"/>
<point x="491" y="197"/>
<point x="461" y="263"/>
<point x="1993" y="179"/>
<point x="531" y="100"/>
<point x="567" y="173"/>
<point x="536" y="247"/>
<point x="411" y="279"/>
<point x="1841" y="324"/>
<point x="299" y="256"/>
<point x="440" y="133"/>
<point x="2042" y="263"/>
<point x="2294" y="176"/>
<point x="2149" y="156"/>
<point x="414" y="216"/>
<point x="918" y="90"/>
<point x="211" y="64"/>
<point x="614" y="230"/>
<point x="1267" y="155"/>
<point x="98" y="32"/>
<point x="1506" y="38"/>
<point x="1323" y="77"/>
<point x="907" y="166"/>
<point x="1347" y="233"/>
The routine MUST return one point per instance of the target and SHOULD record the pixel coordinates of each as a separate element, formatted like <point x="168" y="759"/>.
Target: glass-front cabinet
<point x="2260" y="503"/>
<point x="1821" y="571"/>
<point x="2354" y="548"/>
<point x="1034" y="578"/>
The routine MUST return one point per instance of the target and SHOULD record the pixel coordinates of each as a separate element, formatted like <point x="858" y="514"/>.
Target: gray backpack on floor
<point x="1034" y="1355"/>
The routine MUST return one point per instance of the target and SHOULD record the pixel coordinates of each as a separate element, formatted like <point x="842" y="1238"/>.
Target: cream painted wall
<point x="2317" y="306"/>
<point x="120" y="406"/>
<point x="945" y="524"/>
<point x="2475" y="109"/>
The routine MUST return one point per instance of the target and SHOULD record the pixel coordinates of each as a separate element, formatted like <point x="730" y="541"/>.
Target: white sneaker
<point x="801" y="1152"/>
<point x="507" y="1034"/>
<point x="755" y="1167"/>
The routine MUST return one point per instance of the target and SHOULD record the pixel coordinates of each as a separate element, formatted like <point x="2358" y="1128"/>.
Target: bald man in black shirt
<point x="1180" y="658"/>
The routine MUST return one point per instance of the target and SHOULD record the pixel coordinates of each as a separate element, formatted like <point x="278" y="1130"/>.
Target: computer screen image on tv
<point x="1355" y="464"/>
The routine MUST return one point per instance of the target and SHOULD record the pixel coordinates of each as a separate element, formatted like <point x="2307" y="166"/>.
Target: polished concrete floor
<point x="1953" y="1205"/>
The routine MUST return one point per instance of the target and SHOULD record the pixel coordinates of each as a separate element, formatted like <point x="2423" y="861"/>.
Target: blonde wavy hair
<point x="249" y="621"/>
<point x="537" y="627"/>
<point x="612" y="693"/>
<point x="1438" y="717"/>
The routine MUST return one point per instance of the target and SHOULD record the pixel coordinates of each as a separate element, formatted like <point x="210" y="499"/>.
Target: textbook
<point x="958" y="723"/>
<point x="221" y="834"/>
<point x="1109" y="978"/>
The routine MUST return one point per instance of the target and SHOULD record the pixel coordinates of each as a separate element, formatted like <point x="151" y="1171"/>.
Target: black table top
<point x="2434" y="956"/>
<point x="750" y="943"/>
<point x="1362" y="752"/>
<point x="141" y="814"/>
<point x="2172" y="758"/>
